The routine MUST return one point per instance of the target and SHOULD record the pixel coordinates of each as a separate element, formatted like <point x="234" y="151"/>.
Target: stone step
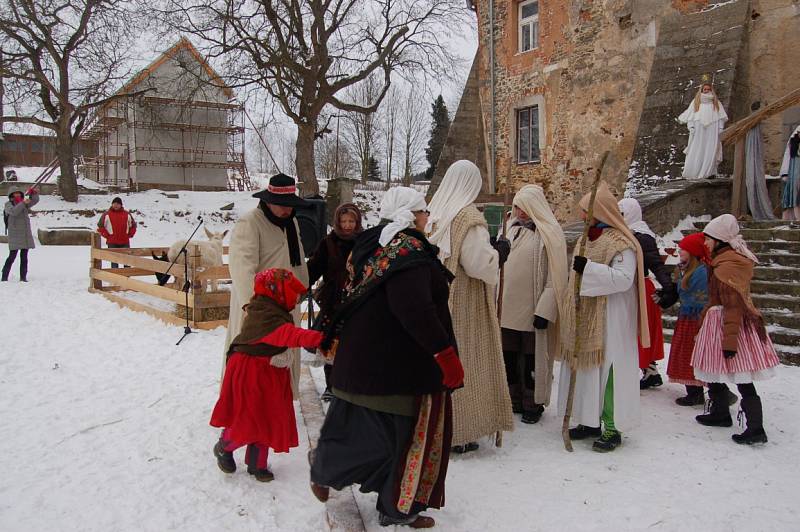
<point x="771" y="273"/>
<point x="764" y="224"/>
<point x="785" y="289"/>
<point x="762" y="235"/>
<point x="781" y="259"/>
<point x="776" y="302"/>
<point x="767" y="246"/>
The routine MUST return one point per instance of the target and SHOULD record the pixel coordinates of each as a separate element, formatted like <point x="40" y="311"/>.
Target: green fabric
<point x="607" y="416"/>
<point x="400" y="405"/>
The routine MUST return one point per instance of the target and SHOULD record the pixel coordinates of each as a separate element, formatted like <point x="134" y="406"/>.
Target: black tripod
<point x="186" y="282"/>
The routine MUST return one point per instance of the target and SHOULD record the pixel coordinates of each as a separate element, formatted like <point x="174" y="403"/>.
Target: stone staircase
<point x="776" y="283"/>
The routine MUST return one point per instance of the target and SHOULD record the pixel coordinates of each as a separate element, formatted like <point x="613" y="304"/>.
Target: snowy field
<point x="105" y="427"/>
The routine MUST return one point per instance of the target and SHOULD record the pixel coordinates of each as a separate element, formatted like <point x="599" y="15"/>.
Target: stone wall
<point x="690" y="45"/>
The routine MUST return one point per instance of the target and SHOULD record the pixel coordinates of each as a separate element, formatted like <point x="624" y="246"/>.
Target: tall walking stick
<point x="498" y="438"/>
<point x="578" y="281"/>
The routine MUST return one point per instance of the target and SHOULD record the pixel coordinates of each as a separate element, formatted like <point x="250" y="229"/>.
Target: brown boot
<point x="423" y="521"/>
<point x="322" y="493"/>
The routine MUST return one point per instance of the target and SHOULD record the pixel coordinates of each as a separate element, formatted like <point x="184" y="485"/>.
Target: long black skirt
<point x="358" y="445"/>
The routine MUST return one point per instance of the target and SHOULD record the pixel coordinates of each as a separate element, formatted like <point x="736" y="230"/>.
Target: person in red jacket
<point x="255" y="403"/>
<point x="117" y="226"/>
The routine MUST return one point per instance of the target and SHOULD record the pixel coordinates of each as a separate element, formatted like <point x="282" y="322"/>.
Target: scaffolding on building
<point x="116" y="126"/>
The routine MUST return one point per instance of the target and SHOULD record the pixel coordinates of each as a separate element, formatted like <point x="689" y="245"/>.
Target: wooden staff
<point x="498" y="438"/>
<point x="578" y="281"/>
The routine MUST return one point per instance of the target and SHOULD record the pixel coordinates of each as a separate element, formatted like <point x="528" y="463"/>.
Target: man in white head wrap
<point x="483" y="406"/>
<point x="535" y="286"/>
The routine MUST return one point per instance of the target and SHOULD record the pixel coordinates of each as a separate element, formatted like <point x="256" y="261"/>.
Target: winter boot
<point x="224" y="458"/>
<point x="412" y="521"/>
<point x="754" y="433"/>
<point x="256" y="458"/>
<point x="466" y="448"/>
<point x="582" y="432"/>
<point x="533" y="416"/>
<point x="651" y="378"/>
<point x="608" y="441"/>
<point x="6" y="271"/>
<point x="694" y="396"/>
<point x="718" y="412"/>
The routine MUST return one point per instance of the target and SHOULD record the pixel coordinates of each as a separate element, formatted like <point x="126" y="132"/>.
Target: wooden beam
<point x="129" y="272"/>
<point x="209" y="325"/>
<point x="94" y="263"/>
<point x="154" y="290"/>
<point x="214" y="272"/>
<point x="212" y="299"/>
<point x="140" y="307"/>
<point x="739" y="194"/>
<point x="735" y="131"/>
<point x="149" y="264"/>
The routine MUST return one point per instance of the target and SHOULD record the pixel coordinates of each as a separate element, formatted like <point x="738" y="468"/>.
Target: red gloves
<point x="452" y="370"/>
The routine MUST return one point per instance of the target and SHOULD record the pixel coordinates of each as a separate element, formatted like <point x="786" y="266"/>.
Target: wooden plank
<point x="129" y="272"/>
<point x="738" y="195"/>
<point x="149" y="264"/>
<point x="208" y="325"/>
<point x="212" y="299"/>
<point x="214" y="272"/>
<point x="94" y="263"/>
<point x="140" y="307"/>
<point x="154" y="290"/>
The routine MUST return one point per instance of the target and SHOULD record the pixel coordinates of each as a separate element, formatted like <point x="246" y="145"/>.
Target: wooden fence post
<point x="94" y="263"/>
<point x="195" y="284"/>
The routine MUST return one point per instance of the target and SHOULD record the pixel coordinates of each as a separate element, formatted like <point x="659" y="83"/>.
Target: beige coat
<point x="256" y="245"/>
<point x="483" y="406"/>
<point x="528" y="292"/>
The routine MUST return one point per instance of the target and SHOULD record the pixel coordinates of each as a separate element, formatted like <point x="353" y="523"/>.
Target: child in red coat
<point x="255" y="403"/>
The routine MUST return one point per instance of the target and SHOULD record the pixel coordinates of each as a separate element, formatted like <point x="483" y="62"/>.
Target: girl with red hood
<point x="255" y="403"/>
<point x="692" y="286"/>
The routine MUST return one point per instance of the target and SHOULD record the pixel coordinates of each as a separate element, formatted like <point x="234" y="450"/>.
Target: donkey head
<point x="163" y="278"/>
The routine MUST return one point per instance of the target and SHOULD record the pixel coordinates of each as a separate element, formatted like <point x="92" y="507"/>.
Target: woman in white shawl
<point x="483" y="406"/>
<point x="790" y="170"/>
<point x="705" y="118"/>
<point x="534" y="289"/>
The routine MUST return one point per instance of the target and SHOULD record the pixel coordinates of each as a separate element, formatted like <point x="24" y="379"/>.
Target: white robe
<point x="618" y="283"/>
<point x="478" y="258"/>
<point x="704" y="150"/>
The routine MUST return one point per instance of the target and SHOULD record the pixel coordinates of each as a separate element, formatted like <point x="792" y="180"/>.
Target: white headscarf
<point x="632" y="212"/>
<point x="398" y="205"/>
<point x="532" y="201"/>
<point x="726" y="228"/>
<point x="460" y="187"/>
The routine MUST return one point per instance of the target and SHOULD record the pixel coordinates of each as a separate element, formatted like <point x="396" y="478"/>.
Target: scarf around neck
<point x="289" y="229"/>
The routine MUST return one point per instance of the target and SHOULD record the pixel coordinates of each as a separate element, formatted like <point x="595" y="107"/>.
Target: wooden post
<point x="739" y="192"/>
<point x="94" y="263"/>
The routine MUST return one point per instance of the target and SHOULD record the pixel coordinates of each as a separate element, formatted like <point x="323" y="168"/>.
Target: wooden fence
<point x="120" y="280"/>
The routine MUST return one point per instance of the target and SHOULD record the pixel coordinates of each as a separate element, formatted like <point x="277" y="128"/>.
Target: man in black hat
<point x="266" y="237"/>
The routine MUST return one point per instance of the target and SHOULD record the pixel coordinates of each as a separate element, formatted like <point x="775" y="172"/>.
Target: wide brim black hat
<point x="282" y="190"/>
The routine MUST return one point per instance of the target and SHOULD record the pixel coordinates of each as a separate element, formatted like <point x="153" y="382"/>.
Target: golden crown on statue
<point x="705" y="78"/>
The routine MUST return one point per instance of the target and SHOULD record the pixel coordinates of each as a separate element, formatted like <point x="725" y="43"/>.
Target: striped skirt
<point x="755" y="358"/>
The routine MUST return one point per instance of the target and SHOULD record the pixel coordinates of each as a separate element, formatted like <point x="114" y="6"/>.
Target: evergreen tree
<point x="373" y="170"/>
<point x="440" y="125"/>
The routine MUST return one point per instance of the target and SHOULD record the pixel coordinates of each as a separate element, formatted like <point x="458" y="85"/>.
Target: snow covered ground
<point x="105" y="427"/>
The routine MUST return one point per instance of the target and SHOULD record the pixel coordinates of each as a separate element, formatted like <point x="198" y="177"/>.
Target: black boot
<point x="224" y="458"/>
<point x="533" y="416"/>
<point x="6" y="270"/>
<point x="582" y="432"/>
<point x="754" y="433"/>
<point x="694" y="396"/>
<point x="651" y="378"/>
<point x="466" y="448"/>
<point x="719" y="413"/>
<point x="610" y="440"/>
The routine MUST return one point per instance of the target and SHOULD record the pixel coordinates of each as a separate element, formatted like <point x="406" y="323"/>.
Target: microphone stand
<point x="186" y="283"/>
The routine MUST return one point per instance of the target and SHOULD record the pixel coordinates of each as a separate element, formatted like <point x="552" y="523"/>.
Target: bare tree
<point x="413" y="126"/>
<point x="391" y="109"/>
<point x="334" y="159"/>
<point x="61" y="60"/>
<point x="305" y="53"/>
<point x="361" y="129"/>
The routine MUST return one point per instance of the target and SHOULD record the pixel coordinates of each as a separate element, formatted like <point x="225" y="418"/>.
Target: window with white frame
<point x="528" y="135"/>
<point x="528" y="17"/>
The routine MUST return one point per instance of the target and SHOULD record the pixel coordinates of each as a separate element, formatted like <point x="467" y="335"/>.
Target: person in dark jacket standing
<point x="664" y="297"/>
<point x="117" y="226"/>
<point x="389" y="426"/>
<point x="329" y="262"/>
<point x="18" y="226"/>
